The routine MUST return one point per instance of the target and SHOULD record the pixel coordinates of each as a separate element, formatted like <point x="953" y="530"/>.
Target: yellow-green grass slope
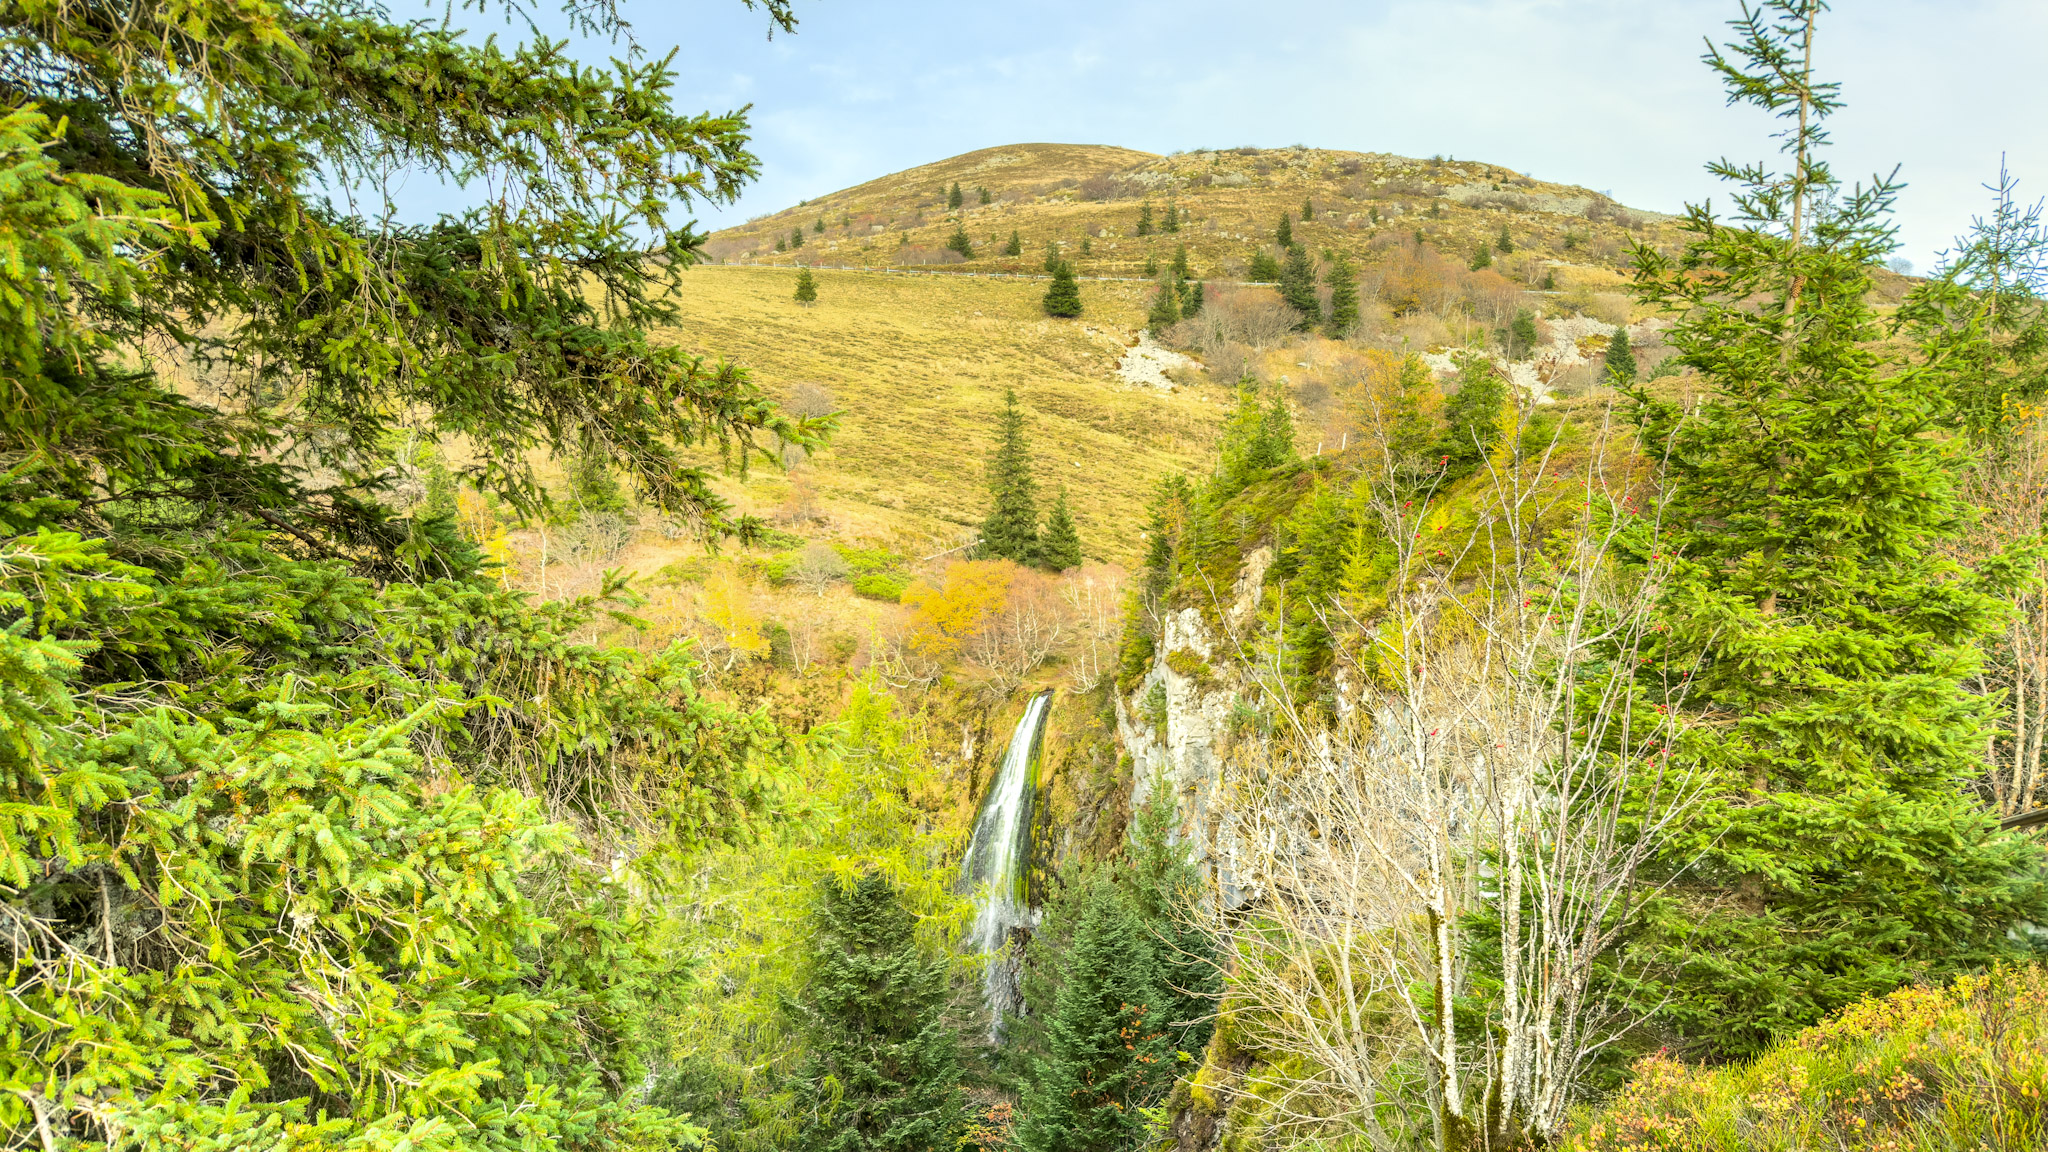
<point x="918" y="366"/>
<point x="1922" y="1070"/>
<point x="1233" y="200"/>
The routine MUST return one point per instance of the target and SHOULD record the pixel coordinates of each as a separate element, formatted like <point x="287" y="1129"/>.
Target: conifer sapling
<point x="1063" y="298"/>
<point x="806" y="288"/>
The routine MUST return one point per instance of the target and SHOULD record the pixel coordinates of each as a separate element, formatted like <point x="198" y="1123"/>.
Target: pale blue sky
<point x="1604" y="93"/>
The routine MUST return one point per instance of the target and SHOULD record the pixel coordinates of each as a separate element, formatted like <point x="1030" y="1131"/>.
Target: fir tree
<point x="1171" y="221"/>
<point x="1308" y="211"/>
<point x="1621" y="361"/>
<point x="1343" y="297"/>
<point x="781" y="243"/>
<point x="1166" y="893"/>
<point x="883" y="1070"/>
<point x="1016" y="245"/>
<point x="1503" y="243"/>
<point x="1522" y="335"/>
<point x="1482" y="258"/>
<point x="819" y="226"/>
<point x="1052" y="256"/>
<point x="1011" y="530"/>
<point x="1063" y="298"/>
<point x="1151" y="265"/>
<point x="985" y="197"/>
<point x="1550" y="279"/>
<point x="1180" y="262"/>
<point x="960" y="242"/>
<point x="1298" y="288"/>
<point x="806" y="288"/>
<point x="1828" y="641"/>
<point x="1472" y="418"/>
<point x="1264" y="269"/>
<point x="1106" y="1056"/>
<point x="1190" y="299"/>
<point x="953" y="197"/>
<point x="1145" y="219"/>
<point x="1059" y="546"/>
<point x="1087" y="246"/>
<point x="1284" y="234"/>
<point x="796" y="238"/>
<point x="1165" y="311"/>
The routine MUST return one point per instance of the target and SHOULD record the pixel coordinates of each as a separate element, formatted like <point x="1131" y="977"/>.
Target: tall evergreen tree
<point x="1016" y="245"/>
<point x="1284" y="234"/>
<point x="1165" y="311"/>
<point x="1059" y="546"/>
<point x="1173" y="217"/>
<point x="1828" y="641"/>
<point x="1011" y="530"/>
<point x="1620" y="367"/>
<point x="1106" y="1056"/>
<point x="806" y="288"/>
<point x="953" y="197"/>
<point x="1052" y="257"/>
<point x="819" y="225"/>
<point x="1298" y="288"/>
<point x="1504" y="243"/>
<point x="960" y="242"/>
<point x="983" y="193"/>
<point x="1180" y="262"/>
<point x="1522" y="335"/>
<point x="1063" y="297"/>
<point x="1308" y="211"/>
<point x="1166" y="894"/>
<point x="1483" y="258"/>
<point x="883" y="1070"/>
<point x="1264" y="268"/>
<point x="1343" y="297"/>
<point x="796" y="238"/>
<point x="1472" y="418"/>
<point x="1191" y="299"/>
<point x="1145" y="219"/>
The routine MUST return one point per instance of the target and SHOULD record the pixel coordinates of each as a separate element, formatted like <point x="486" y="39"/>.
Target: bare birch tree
<point x="1503" y="772"/>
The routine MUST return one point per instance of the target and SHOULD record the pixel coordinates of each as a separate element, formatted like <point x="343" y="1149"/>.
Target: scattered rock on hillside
<point x="1147" y="363"/>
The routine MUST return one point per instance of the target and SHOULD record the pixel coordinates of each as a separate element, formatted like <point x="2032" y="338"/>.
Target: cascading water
<point x="998" y="860"/>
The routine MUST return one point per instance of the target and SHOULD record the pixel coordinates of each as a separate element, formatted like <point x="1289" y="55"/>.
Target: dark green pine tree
<point x="1151" y="264"/>
<point x="1482" y="258"/>
<point x="960" y="242"/>
<point x="1145" y="219"/>
<point x="1166" y="893"/>
<point x="1343" y="298"/>
<point x="1504" y="243"/>
<point x="796" y="238"/>
<point x="883" y="1070"/>
<point x="1550" y="279"/>
<point x="1522" y="335"/>
<point x="985" y="197"/>
<point x="1180" y="262"/>
<point x="1621" y="361"/>
<point x="1472" y="419"/>
<point x="1829" y="642"/>
<point x="1308" y="211"/>
<point x="953" y="197"/>
<point x="1052" y="257"/>
<point x="1298" y="288"/>
<point x="1059" y="546"/>
<point x="1016" y="245"/>
<point x="1265" y="269"/>
<point x="1165" y="312"/>
<point x="1011" y="530"/>
<point x="781" y="243"/>
<point x="1063" y="298"/>
<point x="1105" y="1043"/>
<point x="1190" y="299"/>
<point x="819" y="226"/>
<point x="806" y="287"/>
<point x="1284" y="234"/>
<point x="1172" y="220"/>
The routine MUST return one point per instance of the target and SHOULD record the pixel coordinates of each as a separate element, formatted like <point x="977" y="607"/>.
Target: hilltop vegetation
<point x="1114" y="212"/>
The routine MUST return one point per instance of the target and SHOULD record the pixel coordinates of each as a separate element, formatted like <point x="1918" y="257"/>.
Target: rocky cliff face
<point x="1178" y="725"/>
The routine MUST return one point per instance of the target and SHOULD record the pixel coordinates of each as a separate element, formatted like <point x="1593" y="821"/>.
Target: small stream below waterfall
<point x="996" y="867"/>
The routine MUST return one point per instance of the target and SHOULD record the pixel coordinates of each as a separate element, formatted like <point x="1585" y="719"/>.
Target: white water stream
<point x="996" y="868"/>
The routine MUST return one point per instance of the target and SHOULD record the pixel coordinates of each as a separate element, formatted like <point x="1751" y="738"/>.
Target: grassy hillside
<point x="918" y="365"/>
<point x="1063" y="194"/>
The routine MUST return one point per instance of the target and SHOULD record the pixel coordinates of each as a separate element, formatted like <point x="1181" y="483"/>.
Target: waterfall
<point x="998" y="859"/>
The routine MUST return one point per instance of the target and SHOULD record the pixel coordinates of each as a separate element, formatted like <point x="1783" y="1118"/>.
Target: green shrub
<point x="886" y="586"/>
